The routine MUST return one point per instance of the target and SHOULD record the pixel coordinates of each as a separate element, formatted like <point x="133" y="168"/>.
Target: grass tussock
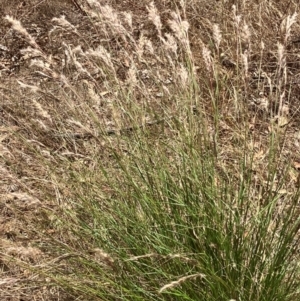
<point x="151" y="153"/>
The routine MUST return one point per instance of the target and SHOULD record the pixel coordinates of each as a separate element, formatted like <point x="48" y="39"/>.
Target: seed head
<point x="154" y="17"/>
<point x="217" y="36"/>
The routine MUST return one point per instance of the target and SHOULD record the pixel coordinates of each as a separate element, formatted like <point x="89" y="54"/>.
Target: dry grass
<point x="102" y="81"/>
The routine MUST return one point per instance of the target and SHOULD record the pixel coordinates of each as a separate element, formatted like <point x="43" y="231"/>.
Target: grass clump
<point x="188" y="234"/>
<point x="166" y="177"/>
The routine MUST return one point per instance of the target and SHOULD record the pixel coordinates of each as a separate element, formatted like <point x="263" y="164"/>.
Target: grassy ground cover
<point x="150" y="151"/>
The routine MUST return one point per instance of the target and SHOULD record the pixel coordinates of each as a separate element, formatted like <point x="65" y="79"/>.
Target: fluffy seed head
<point x="170" y="43"/>
<point x="281" y="55"/>
<point x="128" y="19"/>
<point x="246" y="34"/>
<point x="245" y="63"/>
<point x="102" y="53"/>
<point x="179" y="27"/>
<point x="217" y="36"/>
<point x="154" y="17"/>
<point x="62" y="22"/>
<point x="17" y="26"/>
<point x="287" y="26"/>
<point x="183" y="76"/>
<point x="131" y="76"/>
<point x="207" y="58"/>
